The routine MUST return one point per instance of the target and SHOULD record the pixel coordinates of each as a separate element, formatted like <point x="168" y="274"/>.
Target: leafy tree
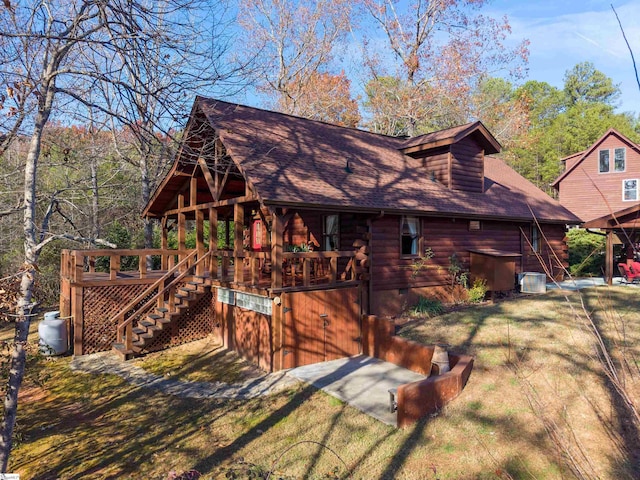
<point x="583" y="83"/>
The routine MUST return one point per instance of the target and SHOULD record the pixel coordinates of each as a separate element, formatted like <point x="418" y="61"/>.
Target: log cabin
<point x="322" y="226"/>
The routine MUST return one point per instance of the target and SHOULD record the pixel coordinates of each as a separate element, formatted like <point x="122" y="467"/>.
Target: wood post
<point x="182" y="226"/>
<point x="213" y="243"/>
<point x="277" y="238"/>
<point x="200" y="241"/>
<point x="609" y="258"/>
<point x="164" y="244"/>
<point x="238" y="254"/>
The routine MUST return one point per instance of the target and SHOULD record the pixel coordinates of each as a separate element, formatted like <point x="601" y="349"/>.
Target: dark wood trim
<point x="204" y="206"/>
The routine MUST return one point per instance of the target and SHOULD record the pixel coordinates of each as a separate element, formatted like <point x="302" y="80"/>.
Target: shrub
<point x="427" y="307"/>
<point x="478" y="290"/>
<point x="586" y="252"/>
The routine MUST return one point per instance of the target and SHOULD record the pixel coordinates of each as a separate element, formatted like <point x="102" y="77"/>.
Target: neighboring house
<point x="601" y="180"/>
<point x="323" y="224"/>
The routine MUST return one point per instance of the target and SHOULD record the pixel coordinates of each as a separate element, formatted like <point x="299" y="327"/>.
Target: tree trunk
<point x="24" y="307"/>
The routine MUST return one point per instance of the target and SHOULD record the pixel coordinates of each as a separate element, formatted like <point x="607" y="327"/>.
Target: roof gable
<point x="421" y="144"/>
<point x="572" y="163"/>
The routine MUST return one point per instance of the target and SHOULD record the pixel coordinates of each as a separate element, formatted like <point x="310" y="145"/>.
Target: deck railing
<point x="298" y="269"/>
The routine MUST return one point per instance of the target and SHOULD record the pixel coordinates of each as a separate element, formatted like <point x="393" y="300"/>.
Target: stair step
<point x="120" y="350"/>
<point x="161" y="310"/>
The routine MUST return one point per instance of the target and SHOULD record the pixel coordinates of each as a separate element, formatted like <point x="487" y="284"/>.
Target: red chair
<point x="629" y="275"/>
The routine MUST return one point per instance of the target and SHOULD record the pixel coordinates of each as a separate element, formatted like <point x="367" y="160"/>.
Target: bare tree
<point x="293" y="40"/>
<point x="53" y="56"/>
<point x="442" y="49"/>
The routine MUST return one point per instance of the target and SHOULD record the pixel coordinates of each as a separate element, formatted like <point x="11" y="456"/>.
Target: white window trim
<point x="637" y="193"/>
<point x="624" y="149"/>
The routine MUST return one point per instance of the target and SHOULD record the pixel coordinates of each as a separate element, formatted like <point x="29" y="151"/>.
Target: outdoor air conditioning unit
<point x="532" y="282"/>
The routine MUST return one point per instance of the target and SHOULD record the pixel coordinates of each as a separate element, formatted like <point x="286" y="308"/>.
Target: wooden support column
<point x="182" y="226"/>
<point x="213" y="242"/>
<point x="200" y="241"/>
<point x="193" y="192"/>
<point x="77" y="305"/>
<point x="164" y="244"/>
<point x="277" y="238"/>
<point x="609" y="258"/>
<point x="238" y="254"/>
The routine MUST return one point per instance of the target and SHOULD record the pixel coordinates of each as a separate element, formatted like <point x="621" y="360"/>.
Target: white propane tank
<point x="53" y="334"/>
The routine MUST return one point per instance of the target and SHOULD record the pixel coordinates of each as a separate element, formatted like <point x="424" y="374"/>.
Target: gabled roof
<point x="450" y="136"/>
<point x="588" y="152"/>
<point x="626" y="218"/>
<point x="296" y="162"/>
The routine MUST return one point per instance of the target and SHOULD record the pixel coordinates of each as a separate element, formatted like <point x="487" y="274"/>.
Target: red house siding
<point x="590" y="194"/>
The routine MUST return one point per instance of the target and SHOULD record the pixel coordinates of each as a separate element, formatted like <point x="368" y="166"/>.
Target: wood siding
<point x="590" y="194"/>
<point x="448" y="236"/>
<point x="438" y="164"/>
<point x="467" y="166"/>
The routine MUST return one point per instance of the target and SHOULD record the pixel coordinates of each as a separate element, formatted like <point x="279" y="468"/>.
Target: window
<point x="331" y="233"/>
<point x="535" y="238"/>
<point x="604" y="161"/>
<point x="619" y="159"/>
<point x="475" y="225"/>
<point x="630" y="190"/>
<point x="409" y="235"/>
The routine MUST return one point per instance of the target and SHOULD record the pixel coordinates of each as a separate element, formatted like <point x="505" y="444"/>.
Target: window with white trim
<point x="619" y="159"/>
<point x="604" y="161"/>
<point x="630" y="190"/>
<point x="409" y="235"/>
<point x="331" y="233"/>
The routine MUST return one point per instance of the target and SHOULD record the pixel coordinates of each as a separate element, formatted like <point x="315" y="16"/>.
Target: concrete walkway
<point x="107" y="362"/>
<point x="362" y="382"/>
<point x="586" y="282"/>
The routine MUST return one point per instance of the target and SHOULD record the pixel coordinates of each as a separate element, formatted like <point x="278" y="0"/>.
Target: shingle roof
<point x="294" y="161"/>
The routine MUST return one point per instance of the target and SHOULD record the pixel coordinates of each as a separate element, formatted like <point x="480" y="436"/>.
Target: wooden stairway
<point x="160" y="318"/>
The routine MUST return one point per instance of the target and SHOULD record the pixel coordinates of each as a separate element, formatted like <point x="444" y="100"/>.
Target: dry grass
<point x="81" y="426"/>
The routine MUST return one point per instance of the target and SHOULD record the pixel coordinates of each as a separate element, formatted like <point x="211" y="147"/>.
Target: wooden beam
<point x="200" y="241"/>
<point x="213" y="242"/>
<point x="204" y="206"/>
<point x="609" y="258"/>
<point x="238" y="223"/>
<point x="193" y="191"/>
<point x="182" y="223"/>
<point x="277" y="238"/>
<point x="208" y="178"/>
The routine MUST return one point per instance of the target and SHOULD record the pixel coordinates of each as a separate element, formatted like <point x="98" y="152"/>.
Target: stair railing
<point x="129" y="312"/>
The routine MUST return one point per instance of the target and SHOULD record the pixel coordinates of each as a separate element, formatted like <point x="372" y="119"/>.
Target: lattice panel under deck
<point x="99" y="305"/>
<point x="195" y="323"/>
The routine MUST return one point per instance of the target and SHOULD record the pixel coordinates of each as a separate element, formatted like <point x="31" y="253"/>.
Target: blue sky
<point x="565" y="32"/>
